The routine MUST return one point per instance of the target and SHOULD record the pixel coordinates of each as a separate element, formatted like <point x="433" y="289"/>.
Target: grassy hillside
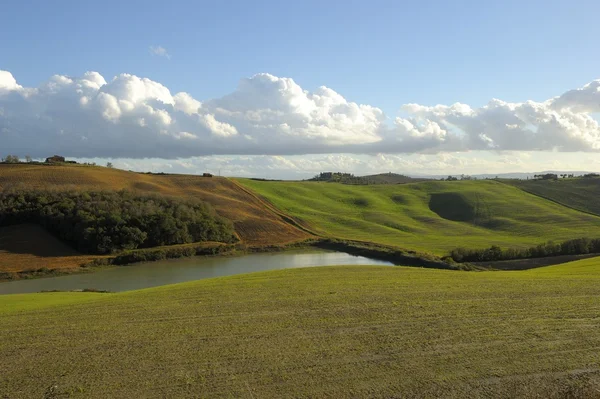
<point x="253" y="221"/>
<point x="429" y="216"/>
<point x="578" y="193"/>
<point x="314" y="332"/>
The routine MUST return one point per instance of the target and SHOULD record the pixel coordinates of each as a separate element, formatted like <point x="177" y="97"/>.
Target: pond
<point x="145" y="275"/>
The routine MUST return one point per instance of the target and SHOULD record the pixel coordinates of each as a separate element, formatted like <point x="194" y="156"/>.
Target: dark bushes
<point x="154" y="254"/>
<point x="107" y="222"/>
<point x="578" y="246"/>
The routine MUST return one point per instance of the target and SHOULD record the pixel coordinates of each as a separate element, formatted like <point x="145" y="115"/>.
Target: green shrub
<point x="577" y="246"/>
<point x="107" y="222"/>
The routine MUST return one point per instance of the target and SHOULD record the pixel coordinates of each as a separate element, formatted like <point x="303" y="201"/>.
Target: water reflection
<point x="145" y="275"/>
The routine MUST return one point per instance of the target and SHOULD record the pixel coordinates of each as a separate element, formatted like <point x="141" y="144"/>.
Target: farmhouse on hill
<point x="55" y="159"/>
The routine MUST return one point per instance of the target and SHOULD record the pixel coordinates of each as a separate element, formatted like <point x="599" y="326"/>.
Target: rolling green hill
<point x="428" y="216"/>
<point x="341" y="332"/>
<point x="579" y="193"/>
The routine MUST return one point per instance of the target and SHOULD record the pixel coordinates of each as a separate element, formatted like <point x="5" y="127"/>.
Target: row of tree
<point x="339" y="177"/>
<point x="349" y="178"/>
<point x="461" y="177"/>
<point x="15" y="159"/>
<point x="107" y="221"/>
<point x="578" y="246"/>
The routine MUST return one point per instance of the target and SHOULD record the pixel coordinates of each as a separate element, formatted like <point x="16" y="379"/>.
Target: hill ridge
<point x="253" y="221"/>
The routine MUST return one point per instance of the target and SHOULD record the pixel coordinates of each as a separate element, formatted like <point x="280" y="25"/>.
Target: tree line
<point x="349" y="178"/>
<point x="111" y="221"/>
<point x="339" y="177"/>
<point x="577" y="246"/>
<point x="14" y="159"/>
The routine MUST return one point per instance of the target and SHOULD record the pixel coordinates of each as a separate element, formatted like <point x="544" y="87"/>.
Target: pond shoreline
<point x="173" y="271"/>
<point x="200" y="250"/>
<point x="356" y="248"/>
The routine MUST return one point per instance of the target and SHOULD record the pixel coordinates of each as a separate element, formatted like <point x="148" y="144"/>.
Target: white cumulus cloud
<point x="134" y="117"/>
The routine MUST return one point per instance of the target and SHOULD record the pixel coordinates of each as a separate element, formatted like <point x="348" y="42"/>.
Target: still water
<point x="145" y="275"/>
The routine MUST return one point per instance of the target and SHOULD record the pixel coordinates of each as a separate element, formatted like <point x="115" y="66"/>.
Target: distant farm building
<point x="207" y="175"/>
<point x="55" y="159"/>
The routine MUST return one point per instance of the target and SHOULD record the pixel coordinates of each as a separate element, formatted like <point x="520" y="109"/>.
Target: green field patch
<point x="501" y="224"/>
<point x="389" y="221"/>
<point x="577" y="193"/>
<point x="432" y="216"/>
<point x="342" y="332"/>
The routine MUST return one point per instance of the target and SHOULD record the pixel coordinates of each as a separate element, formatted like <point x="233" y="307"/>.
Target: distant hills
<point x="382" y="178"/>
<point x="514" y="175"/>
<point x="396" y="178"/>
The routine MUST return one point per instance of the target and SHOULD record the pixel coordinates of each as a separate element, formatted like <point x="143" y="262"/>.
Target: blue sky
<point x="381" y="53"/>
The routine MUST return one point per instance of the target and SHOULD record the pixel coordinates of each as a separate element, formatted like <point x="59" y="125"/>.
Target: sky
<point x="289" y="89"/>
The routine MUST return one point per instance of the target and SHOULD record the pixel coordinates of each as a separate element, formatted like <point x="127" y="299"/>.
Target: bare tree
<point x="11" y="159"/>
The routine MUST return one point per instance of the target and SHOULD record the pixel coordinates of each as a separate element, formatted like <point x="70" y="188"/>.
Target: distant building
<point x="55" y="159"/>
<point x="207" y="175"/>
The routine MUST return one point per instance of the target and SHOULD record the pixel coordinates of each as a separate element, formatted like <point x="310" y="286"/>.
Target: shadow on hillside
<point x="452" y="206"/>
<point x="32" y="239"/>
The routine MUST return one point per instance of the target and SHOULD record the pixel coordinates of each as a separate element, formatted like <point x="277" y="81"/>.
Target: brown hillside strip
<point x="27" y="246"/>
<point x="254" y="222"/>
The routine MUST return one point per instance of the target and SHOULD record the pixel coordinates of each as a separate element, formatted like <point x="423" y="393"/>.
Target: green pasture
<point x="578" y="193"/>
<point x="317" y="332"/>
<point x="431" y="216"/>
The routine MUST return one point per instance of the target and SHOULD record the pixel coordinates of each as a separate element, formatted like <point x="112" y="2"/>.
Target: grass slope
<point x="428" y="216"/>
<point x="314" y="332"/>
<point x="578" y="193"/>
<point x="253" y="222"/>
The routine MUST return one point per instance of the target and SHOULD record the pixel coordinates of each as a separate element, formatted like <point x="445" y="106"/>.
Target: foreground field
<point x="320" y="332"/>
<point x="253" y="221"/>
<point x="429" y="216"/>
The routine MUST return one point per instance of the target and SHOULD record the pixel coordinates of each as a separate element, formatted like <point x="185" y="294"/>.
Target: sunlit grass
<point x="315" y="332"/>
<point x="430" y="216"/>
